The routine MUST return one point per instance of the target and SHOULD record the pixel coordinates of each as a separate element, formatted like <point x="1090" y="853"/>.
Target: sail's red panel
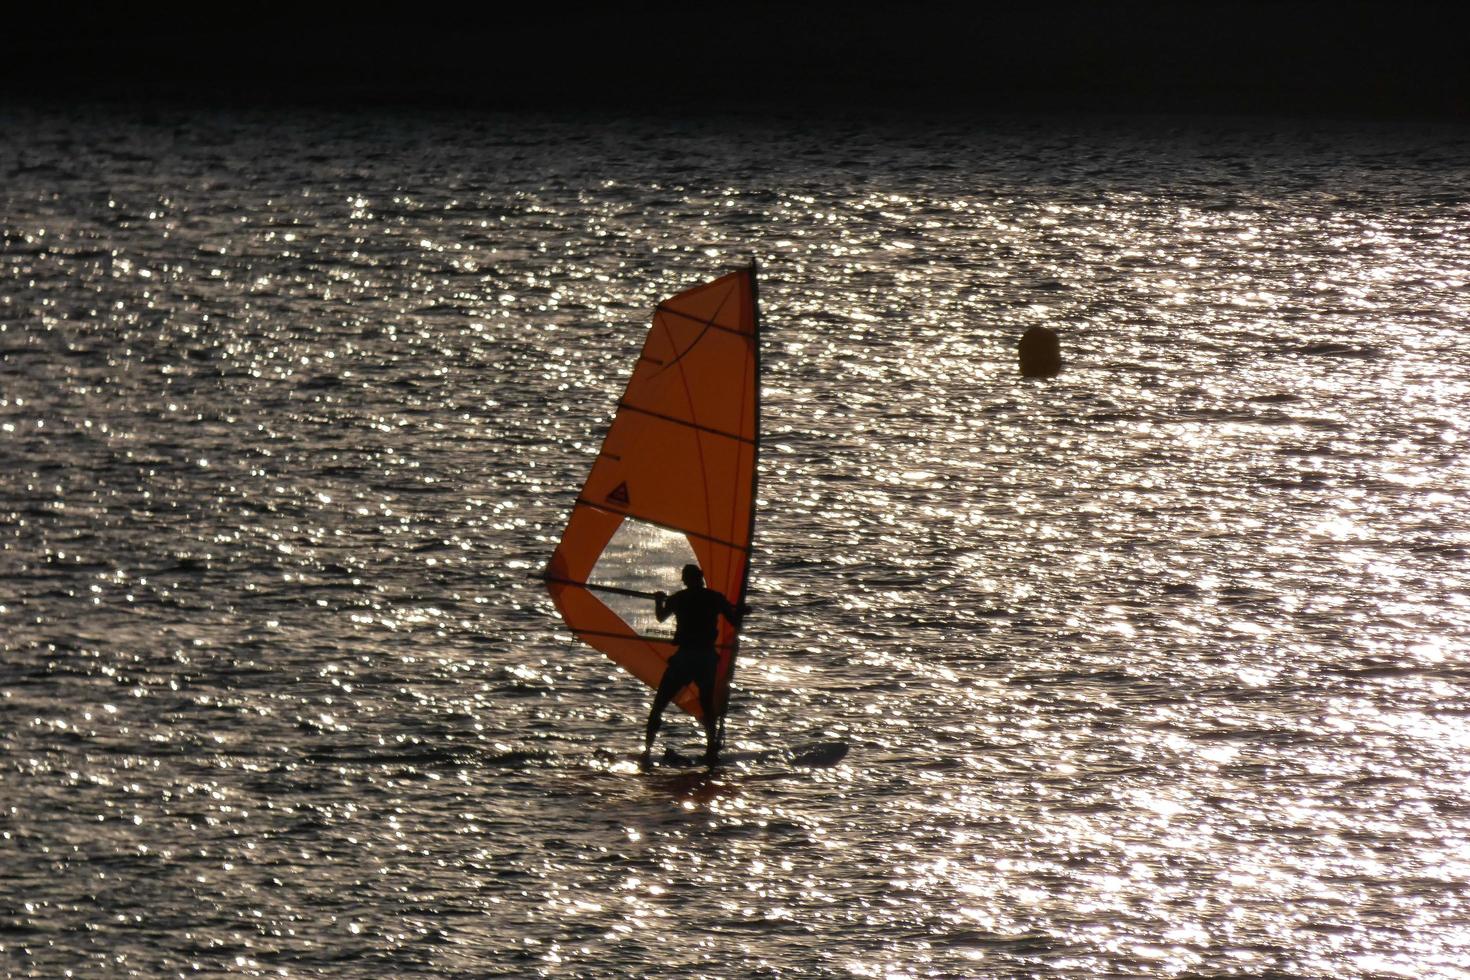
<point x="680" y="454"/>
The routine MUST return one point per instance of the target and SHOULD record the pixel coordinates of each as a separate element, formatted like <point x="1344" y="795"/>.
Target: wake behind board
<point x="808" y="755"/>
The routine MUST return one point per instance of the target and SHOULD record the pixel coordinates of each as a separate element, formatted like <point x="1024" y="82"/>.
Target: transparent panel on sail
<point x="645" y="558"/>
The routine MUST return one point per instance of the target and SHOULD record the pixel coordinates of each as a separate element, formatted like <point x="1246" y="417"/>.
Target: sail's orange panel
<point x="680" y="454"/>
<point x="587" y="533"/>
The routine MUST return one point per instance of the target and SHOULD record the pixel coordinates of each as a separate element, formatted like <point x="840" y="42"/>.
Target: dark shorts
<point x="692" y="665"/>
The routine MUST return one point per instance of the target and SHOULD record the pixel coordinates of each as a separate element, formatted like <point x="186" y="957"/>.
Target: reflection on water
<point x="1154" y="669"/>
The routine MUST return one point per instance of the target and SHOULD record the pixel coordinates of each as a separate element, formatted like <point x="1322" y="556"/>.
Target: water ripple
<point x="1154" y="669"/>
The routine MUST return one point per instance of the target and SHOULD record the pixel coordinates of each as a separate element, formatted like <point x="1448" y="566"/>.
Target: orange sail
<point x="674" y="483"/>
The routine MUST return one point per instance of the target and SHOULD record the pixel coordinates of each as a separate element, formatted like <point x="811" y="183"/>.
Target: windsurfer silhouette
<point x="696" y="611"/>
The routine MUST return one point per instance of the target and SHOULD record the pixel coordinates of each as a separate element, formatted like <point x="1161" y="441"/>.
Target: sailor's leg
<point x="655" y="717"/>
<point x="706" y="682"/>
<point x="673" y="680"/>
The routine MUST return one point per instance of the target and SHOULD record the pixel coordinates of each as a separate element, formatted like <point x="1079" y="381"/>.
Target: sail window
<point x="645" y="558"/>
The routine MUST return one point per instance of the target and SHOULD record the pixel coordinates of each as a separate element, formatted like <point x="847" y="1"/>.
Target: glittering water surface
<point x="1158" y="668"/>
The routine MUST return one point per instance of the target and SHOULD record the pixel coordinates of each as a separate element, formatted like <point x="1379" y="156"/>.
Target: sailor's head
<point x="693" y="577"/>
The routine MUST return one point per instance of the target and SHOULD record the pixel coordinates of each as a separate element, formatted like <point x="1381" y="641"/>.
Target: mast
<point x="755" y="343"/>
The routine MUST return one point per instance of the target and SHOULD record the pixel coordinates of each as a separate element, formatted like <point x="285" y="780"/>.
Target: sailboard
<point x="673" y="484"/>
<point x="806" y="755"/>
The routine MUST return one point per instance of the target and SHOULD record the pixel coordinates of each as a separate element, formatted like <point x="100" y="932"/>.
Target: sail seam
<point x="686" y="422"/>
<point x="711" y="324"/>
<point x="708" y="325"/>
<point x="584" y="502"/>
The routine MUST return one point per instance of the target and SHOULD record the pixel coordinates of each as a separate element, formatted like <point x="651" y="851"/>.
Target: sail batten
<point x="668" y="527"/>
<point x="686" y="422"/>
<point x="674" y="481"/>
<point x="703" y="323"/>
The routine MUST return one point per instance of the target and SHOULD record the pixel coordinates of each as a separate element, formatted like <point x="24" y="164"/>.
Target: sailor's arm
<point x="661" y="606"/>
<point x="733" y="613"/>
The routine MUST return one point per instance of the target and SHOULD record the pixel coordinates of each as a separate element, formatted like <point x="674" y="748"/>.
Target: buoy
<point x="1041" y="353"/>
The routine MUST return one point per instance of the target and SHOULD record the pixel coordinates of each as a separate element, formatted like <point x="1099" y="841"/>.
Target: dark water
<point x="1157" y="669"/>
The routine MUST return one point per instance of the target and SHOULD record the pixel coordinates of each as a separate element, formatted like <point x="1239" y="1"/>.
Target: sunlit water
<point x="1155" y="669"/>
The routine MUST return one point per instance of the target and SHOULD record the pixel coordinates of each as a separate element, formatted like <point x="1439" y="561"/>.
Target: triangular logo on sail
<point x="619" y="495"/>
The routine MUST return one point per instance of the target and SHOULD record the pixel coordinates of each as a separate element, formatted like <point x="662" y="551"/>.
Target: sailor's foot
<point x="645" y="761"/>
<point x="711" y="757"/>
